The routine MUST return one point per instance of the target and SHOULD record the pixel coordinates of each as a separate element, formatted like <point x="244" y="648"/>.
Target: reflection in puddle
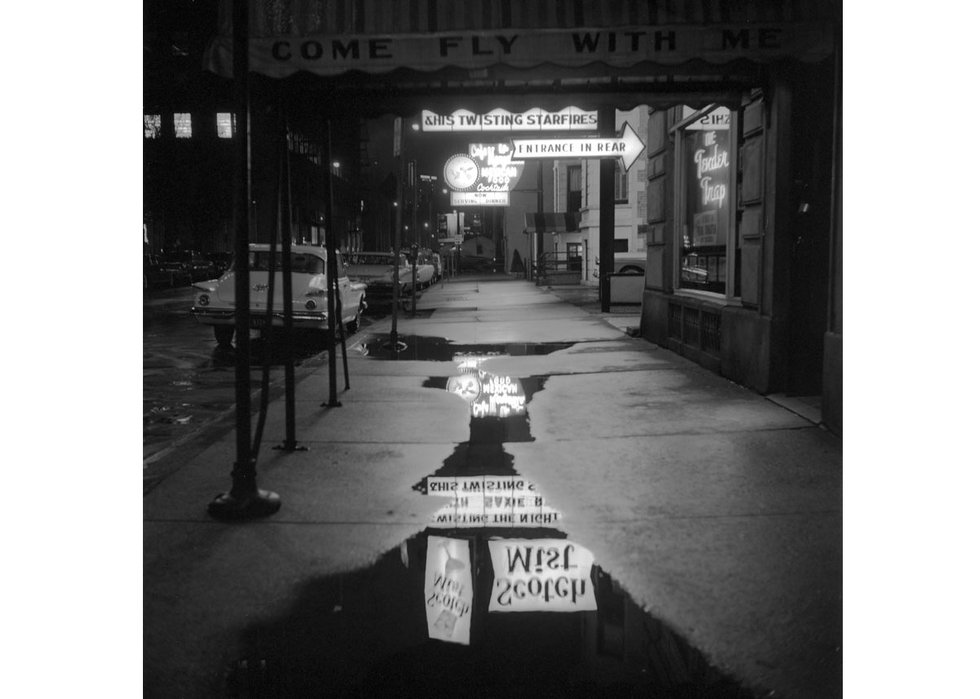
<point x="439" y="349"/>
<point x="271" y="347"/>
<point x="491" y="599"/>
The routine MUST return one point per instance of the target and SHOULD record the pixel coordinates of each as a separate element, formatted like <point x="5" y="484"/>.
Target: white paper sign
<point x="448" y="589"/>
<point x="541" y="575"/>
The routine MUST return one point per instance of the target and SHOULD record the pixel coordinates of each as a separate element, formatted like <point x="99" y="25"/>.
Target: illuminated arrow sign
<point x="627" y="146"/>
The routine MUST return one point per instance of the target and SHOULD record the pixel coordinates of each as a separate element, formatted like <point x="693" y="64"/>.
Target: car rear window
<point x="258" y="260"/>
<point x="362" y="259"/>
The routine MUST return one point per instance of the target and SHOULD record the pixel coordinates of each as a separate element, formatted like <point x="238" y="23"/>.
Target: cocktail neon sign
<point x="485" y="167"/>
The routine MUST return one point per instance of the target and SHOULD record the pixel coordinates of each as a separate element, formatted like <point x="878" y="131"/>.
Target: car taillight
<point x="203" y="300"/>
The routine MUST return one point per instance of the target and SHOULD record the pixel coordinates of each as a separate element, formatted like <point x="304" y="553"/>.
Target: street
<point x="189" y="381"/>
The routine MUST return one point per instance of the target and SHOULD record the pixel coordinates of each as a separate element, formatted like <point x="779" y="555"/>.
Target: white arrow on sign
<point x="626" y="146"/>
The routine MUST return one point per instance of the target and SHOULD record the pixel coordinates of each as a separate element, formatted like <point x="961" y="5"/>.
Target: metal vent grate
<point x="695" y="327"/>
<point x="711" y="332"/>
<point x="674" y="323"/>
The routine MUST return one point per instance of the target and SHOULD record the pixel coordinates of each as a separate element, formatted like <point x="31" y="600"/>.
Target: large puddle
<point x="491" y="599"/>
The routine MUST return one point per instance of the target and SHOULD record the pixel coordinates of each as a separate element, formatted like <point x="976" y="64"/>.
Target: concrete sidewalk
<point x="718" y="511"/>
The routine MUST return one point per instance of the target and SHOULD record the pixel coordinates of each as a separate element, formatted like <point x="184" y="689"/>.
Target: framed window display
<point x="706" y="171"/>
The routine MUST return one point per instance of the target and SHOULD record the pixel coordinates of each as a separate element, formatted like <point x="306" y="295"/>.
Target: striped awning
<point x="335" y="37"/>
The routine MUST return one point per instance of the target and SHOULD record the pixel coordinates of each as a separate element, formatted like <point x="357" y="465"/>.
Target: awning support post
<point x="607" y="208"/>
<point x="244" y="500"/>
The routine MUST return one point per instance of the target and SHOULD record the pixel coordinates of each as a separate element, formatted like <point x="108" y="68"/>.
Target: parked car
<point x="214" y="301"/>
<point x="424" y="270"/>
<point x="220" y="260"/>
<point x="158" y="275"/>
<point x="193" y="263"/>
<point x="693" y="274"/>
<point x="376" y="270"/>
<point x="627" y="280"/>
<point x="436" y="260"/>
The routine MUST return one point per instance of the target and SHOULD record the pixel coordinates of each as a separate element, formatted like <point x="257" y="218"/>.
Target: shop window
<point x="182" y="125"/>
<point x="226" y="124"/>
<point x="621" y="191"/>
<point x="152" y="125"/>
<point x="706" y="169"/>
<point x="574" y="190"/>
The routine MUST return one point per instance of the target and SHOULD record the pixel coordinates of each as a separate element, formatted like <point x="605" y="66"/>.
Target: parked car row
<point x="377" y="270"/>
<point x="361" y="275"/>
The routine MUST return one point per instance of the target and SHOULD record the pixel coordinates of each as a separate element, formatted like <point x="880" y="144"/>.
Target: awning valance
<point x="550" y="222"/>
<point x="334" y="37"/>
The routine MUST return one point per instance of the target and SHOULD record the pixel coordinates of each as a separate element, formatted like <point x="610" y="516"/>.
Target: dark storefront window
<point x="706" y="172"/>
<point x="574" y="188"/>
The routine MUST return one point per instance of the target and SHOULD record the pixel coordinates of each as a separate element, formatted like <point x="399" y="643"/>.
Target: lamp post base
<point x="229" y="506"/>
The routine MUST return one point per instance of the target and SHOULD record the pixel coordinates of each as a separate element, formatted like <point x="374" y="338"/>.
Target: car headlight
<point x="311" y="305"/>
<point x="203" y="300"/>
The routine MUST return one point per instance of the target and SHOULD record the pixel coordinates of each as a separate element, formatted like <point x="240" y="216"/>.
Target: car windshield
<point x="258" y="260"/>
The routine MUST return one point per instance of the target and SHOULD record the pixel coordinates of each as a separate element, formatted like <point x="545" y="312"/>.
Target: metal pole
<point x="397" y="242"/>
<point x="415" y="202"/>
<point x="286" y="228"/>
<point x="539" y="225"/>
<point x="338" y="310"/>
<point x="332" y="402"/>
<point x="607" y="208"/>
<point x="244" y="500"/>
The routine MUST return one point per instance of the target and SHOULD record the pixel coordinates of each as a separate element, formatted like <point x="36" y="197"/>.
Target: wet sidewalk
<point x="713" y="516"/>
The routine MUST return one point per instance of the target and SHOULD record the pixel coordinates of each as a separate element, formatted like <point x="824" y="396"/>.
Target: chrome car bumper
<point x="259" y="319"/>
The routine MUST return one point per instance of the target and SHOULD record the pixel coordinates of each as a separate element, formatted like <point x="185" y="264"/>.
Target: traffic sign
<point x="627" y="146"/>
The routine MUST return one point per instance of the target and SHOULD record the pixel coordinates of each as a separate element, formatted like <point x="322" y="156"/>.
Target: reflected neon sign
<point x="489" y="501"/>
<point x="489" y="395"/>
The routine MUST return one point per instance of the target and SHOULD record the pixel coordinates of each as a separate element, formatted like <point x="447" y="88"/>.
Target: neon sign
<point x="705" y="163"/>
<point x="462" y="120"/>
<point x="484" y="175"/>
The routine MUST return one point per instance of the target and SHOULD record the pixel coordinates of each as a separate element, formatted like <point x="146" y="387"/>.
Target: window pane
<point x="226" y="124"/>
<point x="707" y="167"/>
<point x="301" y="263"/>
<point x="182" y="125"/>
<point x="621" y="184"/>
<point x="152" y="124"/>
